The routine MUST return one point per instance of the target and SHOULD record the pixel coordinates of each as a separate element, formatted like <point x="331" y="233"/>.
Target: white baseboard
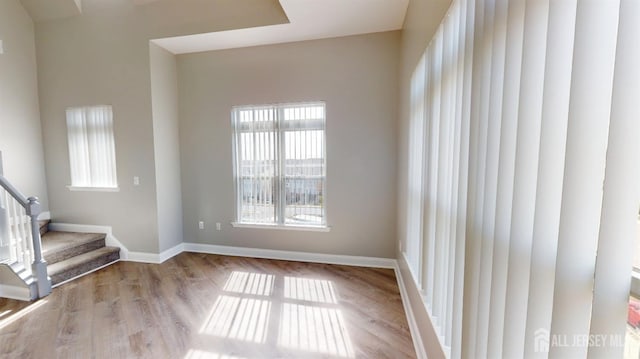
<point x="155" y="258"/>
<point x="15" y="292"/>
<point x="110" y="239"/>
<point x="143" y="257"/>
<point x="374" y="262"/>
<point x="418" y="344"/>
<point x="171" y="252"/>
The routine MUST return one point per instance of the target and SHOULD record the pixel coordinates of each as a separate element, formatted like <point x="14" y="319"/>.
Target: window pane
<point x="304" y="174"/>
<point x="280" y="164"/>
<point x="257" y="185"/>
<point x="91" y="147"/>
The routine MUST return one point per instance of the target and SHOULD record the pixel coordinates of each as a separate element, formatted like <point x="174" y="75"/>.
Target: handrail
<point x="14" y="192"/>
<point x="33" y="209"/>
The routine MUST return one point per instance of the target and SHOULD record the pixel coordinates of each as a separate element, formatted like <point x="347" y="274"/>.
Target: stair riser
<point x="83" y="268"/>
<point x="44" y="227"/>
<point x="67" y="253"/>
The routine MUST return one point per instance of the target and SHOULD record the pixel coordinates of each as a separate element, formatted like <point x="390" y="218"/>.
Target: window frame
<point x="93" y="185"/>
<point x="279" y="176"/>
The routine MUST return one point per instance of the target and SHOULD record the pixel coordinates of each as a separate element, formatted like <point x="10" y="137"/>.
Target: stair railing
<point x="20" y="232"/>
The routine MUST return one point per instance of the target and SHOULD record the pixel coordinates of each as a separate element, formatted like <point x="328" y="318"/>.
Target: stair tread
<point x="54" y="241"/>
<point x="80" y="259"/>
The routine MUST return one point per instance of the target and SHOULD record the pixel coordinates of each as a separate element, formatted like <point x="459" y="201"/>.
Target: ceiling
<point x="41" y="10"/>
<point x="308" y="20"/>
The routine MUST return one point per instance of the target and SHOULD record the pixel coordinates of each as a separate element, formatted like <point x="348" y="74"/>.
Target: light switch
<point x="136" y="180"/>
<point x="1" y="48"/>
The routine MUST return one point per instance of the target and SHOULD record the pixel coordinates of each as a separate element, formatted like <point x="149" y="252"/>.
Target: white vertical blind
<point x="621" y="189"/>
<point x="92" y="154"/>
<point x="433" y="104"/>
<point x="472" y="243"/>
<point x="415" y="211"/>
<point x="279" y="164"/>
<point x="526" y="174"/>
<point x="439" y="177"/>
<point x="257" y="166"/>
<point x="494" y="123"/>
<point x="457" y="63"/>
<point x="465" y="52"/>
<point x="529" y="107"/>
<point x="553" y="134"/>
<point x="587" y="140"/>
<point x="510" y="103"/>
<point x="480" y="308"/>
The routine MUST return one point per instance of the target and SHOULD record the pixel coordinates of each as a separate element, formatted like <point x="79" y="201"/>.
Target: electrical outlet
<point x="136" y="180"/>
<point x="201" y="224"/>
<point x="218" y="226"/>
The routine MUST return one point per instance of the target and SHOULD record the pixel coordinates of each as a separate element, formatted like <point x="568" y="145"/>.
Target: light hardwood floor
<point x="209" y="306"/>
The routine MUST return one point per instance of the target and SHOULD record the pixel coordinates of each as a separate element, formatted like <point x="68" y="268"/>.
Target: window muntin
<point x="280" y="164"/>
<point x="92" y="154"/>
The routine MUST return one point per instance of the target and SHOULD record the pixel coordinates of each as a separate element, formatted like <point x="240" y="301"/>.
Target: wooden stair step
<point x="60" y="246"/>
<point x="82" y="264"/>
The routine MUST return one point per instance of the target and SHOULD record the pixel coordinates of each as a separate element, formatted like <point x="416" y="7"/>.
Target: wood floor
<point x="209" y="306"/>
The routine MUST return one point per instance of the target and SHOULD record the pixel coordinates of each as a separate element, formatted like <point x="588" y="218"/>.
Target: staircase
<point x="70" y="255"/>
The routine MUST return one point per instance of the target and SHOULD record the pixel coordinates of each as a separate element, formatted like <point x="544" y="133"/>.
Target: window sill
<point x="281" y="226"/>
<point x="94" y="189"/>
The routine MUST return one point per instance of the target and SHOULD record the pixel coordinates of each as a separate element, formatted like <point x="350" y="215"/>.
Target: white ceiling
<point x="308" y="20"/>
<point x="41" y="10"/>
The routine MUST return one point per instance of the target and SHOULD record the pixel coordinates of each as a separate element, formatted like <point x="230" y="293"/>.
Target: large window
<point x="279" y="164"/>
<point x="92" y="154"/>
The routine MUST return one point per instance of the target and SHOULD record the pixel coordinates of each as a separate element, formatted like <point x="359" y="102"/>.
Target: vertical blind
<point x="279" y="164"/>
<point x="524" y="165"/>
<point x="92" y="154"/>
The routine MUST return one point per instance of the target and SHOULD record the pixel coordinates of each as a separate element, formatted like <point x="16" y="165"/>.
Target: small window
<point x="279" y="164"/>
<point x="92" y="154"/>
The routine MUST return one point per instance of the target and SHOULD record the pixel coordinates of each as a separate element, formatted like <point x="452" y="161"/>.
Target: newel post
<point x="39" y="266"/>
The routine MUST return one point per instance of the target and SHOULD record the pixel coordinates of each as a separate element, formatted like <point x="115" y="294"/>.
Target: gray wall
<point x="20" y="132"/>
<point x="357" y="77"/>
<point x="164" y="94"/>
<point x="93" y="60"/>
<point x="421" y="22"/>
<point x="102" y="57"/>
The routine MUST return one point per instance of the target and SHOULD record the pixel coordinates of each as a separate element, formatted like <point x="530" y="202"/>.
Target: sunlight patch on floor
<point x="239" y="318"/>
<point x="314" y="329"/>
<point x="250" y="283"/>
<point x="243" y="315"/>
<point x="312" y="290"/>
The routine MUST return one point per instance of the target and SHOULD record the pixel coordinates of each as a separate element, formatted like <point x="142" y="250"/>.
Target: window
<point x="92" y="154"/>
<point x="279" y="164"/>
